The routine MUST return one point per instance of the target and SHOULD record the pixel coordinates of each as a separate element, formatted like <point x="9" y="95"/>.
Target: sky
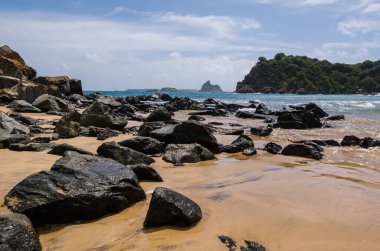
<point x="119" y="45"/>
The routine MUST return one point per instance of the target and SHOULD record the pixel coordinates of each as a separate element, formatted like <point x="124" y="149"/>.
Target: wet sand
<point x="285" y="203"/>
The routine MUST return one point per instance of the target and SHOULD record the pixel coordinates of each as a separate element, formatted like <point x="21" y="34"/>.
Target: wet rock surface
<point x="238" y="145"/>
<point x="303" y="150"/>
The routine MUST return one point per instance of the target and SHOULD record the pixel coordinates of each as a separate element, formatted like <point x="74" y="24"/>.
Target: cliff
<point x="208" y="87"/>
<point x="300" y="74"/>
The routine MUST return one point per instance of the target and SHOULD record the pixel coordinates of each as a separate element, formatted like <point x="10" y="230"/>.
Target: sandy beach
<point x="285" y="203"/>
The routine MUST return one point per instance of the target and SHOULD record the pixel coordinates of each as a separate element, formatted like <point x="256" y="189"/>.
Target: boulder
<point x="17" y="233"/>
<point x="7" y="139"/>
<point x="23" y="119"/>
<point x="273" y="148"/>
<point x="56" y="85"/>
<point x="369" y="142"/>
<point x="250" y="151"/>
<point x="67" y="128"/>
<point x="31" y="147"/>
<point x="29" y="91"/>
<point x="75" y="86"/>
<point x="262" y="130"/>
<point x="104" y="133"/>
<point x="11" y="126"/>
<point x="12" y="64"/>
<point x="159" y="114"/>
<point x="145" y="145"/>
<point x="78" y="187"/>
<point x="145" y="172"/>
<point x="23" y="106"/>
<point x="187" y="132"/>
<point x="186" y="153"/>
<point x="8" y="82"/>
<point x="351" y="140"/>
<point x="48" y="102"/>
<point x="123" y="154"/>
<point x="184" y="103"/>
<point x="62" y="148"/>
<point x="169" y="208"/>
<point x="238" y="145"/>
<point x="148" y="127"/>
<point x="302" y="150"/>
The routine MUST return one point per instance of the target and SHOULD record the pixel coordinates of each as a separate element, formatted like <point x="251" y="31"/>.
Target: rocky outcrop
<point x="145" y="145"/>
<point x="169" y="208"/>
<point x="12" y="64"/>
<point x="186" y="153"/>
<point x="208" y="87"/>
<point x="7" y="139"/>
<point x="17" y="233"/>
<point x="78" y="187"/>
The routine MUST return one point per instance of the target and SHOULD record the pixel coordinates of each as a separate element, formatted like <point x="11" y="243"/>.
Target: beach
<point x="282" y="202"/>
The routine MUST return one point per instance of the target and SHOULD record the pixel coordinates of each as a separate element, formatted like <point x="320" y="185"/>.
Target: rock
<point x="23" y="119"/>
<point x="273" y="148"/>
<point x="159" y="114"/>
<point x="291" y="125"/>
<point x="350" y="141"/>
<point x="67" y="128"/>
<point x="302" y="150"/>
<point x="169" y="208"/>
<point x="261" y="131"/>
<point x="145" y="172"/>
<point x="8" y="82"/>
<point x="148" y="127"/>
<point x="78" y="187"/>
<point x="369" y="142"/>
<point x="56" y="85"/>
<point x="41" y="140"/>
<point x="187" y="132"/>
<point x="184" y="103"/>
<point x="29" y="91"/>
<point x="11" y="126"/>
<point x="17" y="233"/>
<point x="208" y="87"/>
<point x="336" y="117"/>
<point x="7" y="139"/>
<point x="48" y="102"/>
<point x="238" y="145"/>
<point x="230" y="243"/>
<point x="196" y="118"/>
<point x="186" y="153"/>
<point x="12" y="64"/>
<point x="250" y="151"/>
<point x="75" y="86"/>
<point x="328" y="142"/>
<point x="62" y="148"/>
<point x="252" y="246"/>
<point x="145" y="145"/>
<point x="123" y="154"/>
<point x="32" y="147"/>
<point x="210" y="112"/>
<point x="23" y="106"/>
<point x="105" y="133"/>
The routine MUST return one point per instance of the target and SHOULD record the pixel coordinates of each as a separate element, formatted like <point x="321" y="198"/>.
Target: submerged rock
<point x="169" y="208"/>
<point x="369" y="142"/>
<point x="78" y="187"/>
<point x="17" y="233"/>
<point x="186" y="153"/>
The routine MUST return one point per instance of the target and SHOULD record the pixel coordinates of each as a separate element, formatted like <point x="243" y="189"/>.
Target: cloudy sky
<point x="121" y="44"/>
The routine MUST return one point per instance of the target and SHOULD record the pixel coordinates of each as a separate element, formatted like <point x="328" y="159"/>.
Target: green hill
<point x="300" y="74"/>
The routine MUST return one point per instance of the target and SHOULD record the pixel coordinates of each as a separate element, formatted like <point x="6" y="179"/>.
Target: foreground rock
<point x="23" y="106"/>
<point x="11" y="126"/>
<point x="17" y="233"/>
<point x="186" y="153"/>
<point x="63" y="148"/>
<point x="122" y="154"/>
<point x="48" y="103"/>
<point x="238" y="145"/>
<point x="145" y="145"/>
<point x="78" y="187"/>
<point x="7" y="139"/>
<point x="303" y="150"/>
<point x="169" y="208"/>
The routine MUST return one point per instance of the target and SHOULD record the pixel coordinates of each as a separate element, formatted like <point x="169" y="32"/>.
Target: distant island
<point x="208" y="87"/>
<point x="303" y="75"/>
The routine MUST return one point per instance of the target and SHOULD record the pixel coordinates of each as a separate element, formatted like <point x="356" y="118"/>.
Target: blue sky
<point x="116" y="45"/>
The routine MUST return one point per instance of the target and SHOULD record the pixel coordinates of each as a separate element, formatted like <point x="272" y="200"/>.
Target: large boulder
<point x="186" y="153"/>
<point x="48" y="102"/>
<point x="67" y="128"/>
<point x="303" y="150"/>
<point x="123" y="154"/>
<point x="29" y="91"/>
<point x="187" y="132"/>
<point x="148" y="127"/>
<point x="11" y="126"/>
<point x="78" y="187"/>
<point x="75" y="86"/>
<point x="240" y="144"/>
<point x="169" y="208"/>
<point x="159" y="114"/>
<point x="17" y="233"/>
<point x="145" y="145"/>
<point x="12" y="64"/>
<point x="63" y="148"/>
<point x="23" y="106"/>
<point x="56" y="85"/>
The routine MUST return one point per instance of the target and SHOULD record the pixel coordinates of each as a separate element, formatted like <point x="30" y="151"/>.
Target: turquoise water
<point x="355" y="105"/>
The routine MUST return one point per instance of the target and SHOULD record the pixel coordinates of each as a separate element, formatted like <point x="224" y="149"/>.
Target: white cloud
<point x="354" y="27"/>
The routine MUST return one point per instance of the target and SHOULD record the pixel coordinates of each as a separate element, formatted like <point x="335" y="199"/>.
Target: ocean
<point x="359" y="106"/>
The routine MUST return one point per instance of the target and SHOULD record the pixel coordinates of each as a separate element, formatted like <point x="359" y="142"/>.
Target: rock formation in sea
<point x="208" y="87"/>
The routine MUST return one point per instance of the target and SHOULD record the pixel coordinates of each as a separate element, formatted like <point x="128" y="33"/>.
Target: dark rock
<point x="350" y="141"/>
<point x="123" y="154"/>
<point x="32" y="147"/>
<point x="196" y="118"/>
<point x="78" y="187"/>
<point x="11" y="126"/>
<point x="186" y="153"/>
<point x="7" y="81"/>
<point x="145" y="145"/>
<point x="104" y="133"/>
<point x="166" y="97"/>
<point x="159" y="114"/>
<point x="145" y="172"/>
<point x="7" y="139"/>
<point x="261" y="131"/>
<point x="252" y="246"/>
<point x="302" y="150"/>
<point x="336" y="117"/>
<point x="56" y="85"/>
<point x="29" y="91"/>
<point x="311" y="120"/>
<point x="238" y="145"/>
<point x="23" y="106"/>
<point x="67" y="128"/>
<point x="62" y="148"/>
<point x="12" y="64"/>
<point x="291" y="125"/>
<point x="210" y="112"/>
<point x="184" y="103"/>
<point x="168" y="208"/>
<point x="273" y="148"/>
<point x="369" y="142"/>
<point x="75" y="86"/>
<point x="41" y="140"/>
<point x="216" y="123"/>
<point x="17" y="233"/>
<point x="250" y="151"/>
<point x="148" y="127"/>
<point x="23" y="119"/>
<point x="48" y="102"/>
<point x="230" y="243"/>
